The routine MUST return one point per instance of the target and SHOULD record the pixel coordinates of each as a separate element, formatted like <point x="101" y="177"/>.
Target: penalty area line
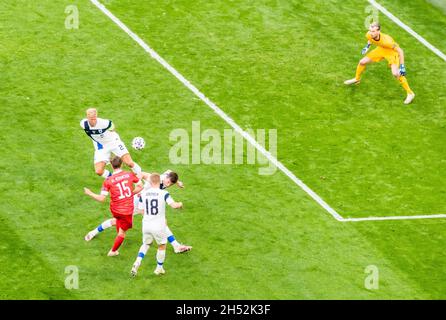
<point x="431" y="216"/>
<point x="239" y="130"/>
<point x="219" y="112"/>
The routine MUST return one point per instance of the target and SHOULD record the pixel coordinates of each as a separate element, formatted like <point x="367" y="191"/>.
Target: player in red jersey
<point x="120" y="187"/>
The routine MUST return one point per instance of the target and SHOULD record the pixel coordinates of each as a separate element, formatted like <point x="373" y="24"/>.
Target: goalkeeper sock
<point x="405" y="84"/>
<point x="359" y="70"/>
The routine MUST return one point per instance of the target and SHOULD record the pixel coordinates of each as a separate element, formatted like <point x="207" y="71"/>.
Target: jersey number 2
<point x="153" y="206"/>
<point x="124" y="190"/>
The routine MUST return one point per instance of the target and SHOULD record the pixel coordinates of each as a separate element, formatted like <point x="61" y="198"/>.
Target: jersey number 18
<point x="153" y="207"/>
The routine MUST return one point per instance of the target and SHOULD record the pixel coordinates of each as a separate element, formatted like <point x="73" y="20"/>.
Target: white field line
<point x="220" y="112"/>
<point x="431" y="216"/>
<point x="235" y="126"/>
<point x="408" y="29"/>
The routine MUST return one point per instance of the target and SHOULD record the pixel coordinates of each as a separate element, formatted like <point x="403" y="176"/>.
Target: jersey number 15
<point x="124" y="190"/>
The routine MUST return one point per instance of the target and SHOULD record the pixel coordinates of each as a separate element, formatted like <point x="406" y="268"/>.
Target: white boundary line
<point x="238" y="129"/>
<point x="408" y="29"/>
<point x="431" y="216"/>
<point x="220" y="112"/>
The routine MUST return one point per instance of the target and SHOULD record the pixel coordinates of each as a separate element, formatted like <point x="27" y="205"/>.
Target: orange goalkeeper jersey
<point x="384" y="41"/>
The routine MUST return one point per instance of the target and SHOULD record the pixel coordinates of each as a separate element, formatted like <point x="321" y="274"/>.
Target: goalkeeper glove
<point x="402" y="70"/>
<point x="365" y="49"/>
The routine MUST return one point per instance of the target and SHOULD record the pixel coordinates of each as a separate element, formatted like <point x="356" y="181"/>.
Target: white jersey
<point x="154" y="202"/>
<point x="138" y="200"/>
<point x="162" y="177"/>
<point x="101" y="134"/>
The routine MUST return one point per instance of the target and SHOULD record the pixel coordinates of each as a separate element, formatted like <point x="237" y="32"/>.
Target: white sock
<point x="171" y="238"/>
<point x="136" y="168"/>
<point x="142" y="252"/>
<point x="106" y="174"/>
<point x="160" y="257"/>
<point x="104" y="225"/>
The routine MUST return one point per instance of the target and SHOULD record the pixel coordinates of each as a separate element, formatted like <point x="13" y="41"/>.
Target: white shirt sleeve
<point x="168" y="198"/>
<point x="82" y="123"/>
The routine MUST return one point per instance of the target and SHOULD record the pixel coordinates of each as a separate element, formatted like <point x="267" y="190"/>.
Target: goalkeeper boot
<point x="352" y="81"/>
<point x="409" y="98"/>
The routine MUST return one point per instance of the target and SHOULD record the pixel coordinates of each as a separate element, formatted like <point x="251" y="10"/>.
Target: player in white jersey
<point x="105" y="141"/>
<point x="168" y="178"/>
<point x="154" y="222"/>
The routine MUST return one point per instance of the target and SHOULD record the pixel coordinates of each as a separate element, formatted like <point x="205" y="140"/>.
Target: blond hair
<point x="92" y="111"/>
<point x="375" y="25"/>
<point x="155" y="178"/>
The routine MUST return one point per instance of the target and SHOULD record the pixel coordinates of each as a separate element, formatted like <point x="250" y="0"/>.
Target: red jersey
<point x="120" y="187"/>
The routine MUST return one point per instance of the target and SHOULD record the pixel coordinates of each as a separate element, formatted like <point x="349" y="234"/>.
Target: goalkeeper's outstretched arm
<point x="366" y="48"/>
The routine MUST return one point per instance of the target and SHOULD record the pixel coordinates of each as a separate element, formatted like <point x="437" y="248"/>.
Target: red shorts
<point x="123" y="221"/>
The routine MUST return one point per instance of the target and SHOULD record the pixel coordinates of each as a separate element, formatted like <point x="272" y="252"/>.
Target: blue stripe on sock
<point x="141" y="255"/>
<point x="160" y="263"/>
<point x="171" y="239"/>
<point x="100" y="229"/>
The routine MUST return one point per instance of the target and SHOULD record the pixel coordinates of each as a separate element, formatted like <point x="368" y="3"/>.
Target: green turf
<point x="441" y="4"/>
<point x="268" y="64"/>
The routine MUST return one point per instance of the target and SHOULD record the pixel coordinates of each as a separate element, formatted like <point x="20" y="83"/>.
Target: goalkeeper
<point x="387" y="49"/>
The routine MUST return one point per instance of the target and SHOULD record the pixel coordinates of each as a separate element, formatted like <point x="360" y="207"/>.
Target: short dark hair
<point x="116" y="162"/>
<point x="173" y="177"/>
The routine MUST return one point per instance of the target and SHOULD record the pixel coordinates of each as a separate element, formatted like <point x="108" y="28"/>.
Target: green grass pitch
<point x="269" y="64"/>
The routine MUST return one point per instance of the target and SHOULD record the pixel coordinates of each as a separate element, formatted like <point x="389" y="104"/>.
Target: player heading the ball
<point x="105" y="141"/>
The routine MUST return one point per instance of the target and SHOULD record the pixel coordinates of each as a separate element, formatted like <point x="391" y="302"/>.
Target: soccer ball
<point x="138" y="143"/>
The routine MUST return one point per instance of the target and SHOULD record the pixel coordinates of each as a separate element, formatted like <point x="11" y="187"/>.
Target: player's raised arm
<point x="97" y="197"/>
<point x="176" y="205"/>
<point x="138" y="187"/>
<point x="173" y="203"/>
<point x="144" y="176"/>
<point x="180" y="184"/>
